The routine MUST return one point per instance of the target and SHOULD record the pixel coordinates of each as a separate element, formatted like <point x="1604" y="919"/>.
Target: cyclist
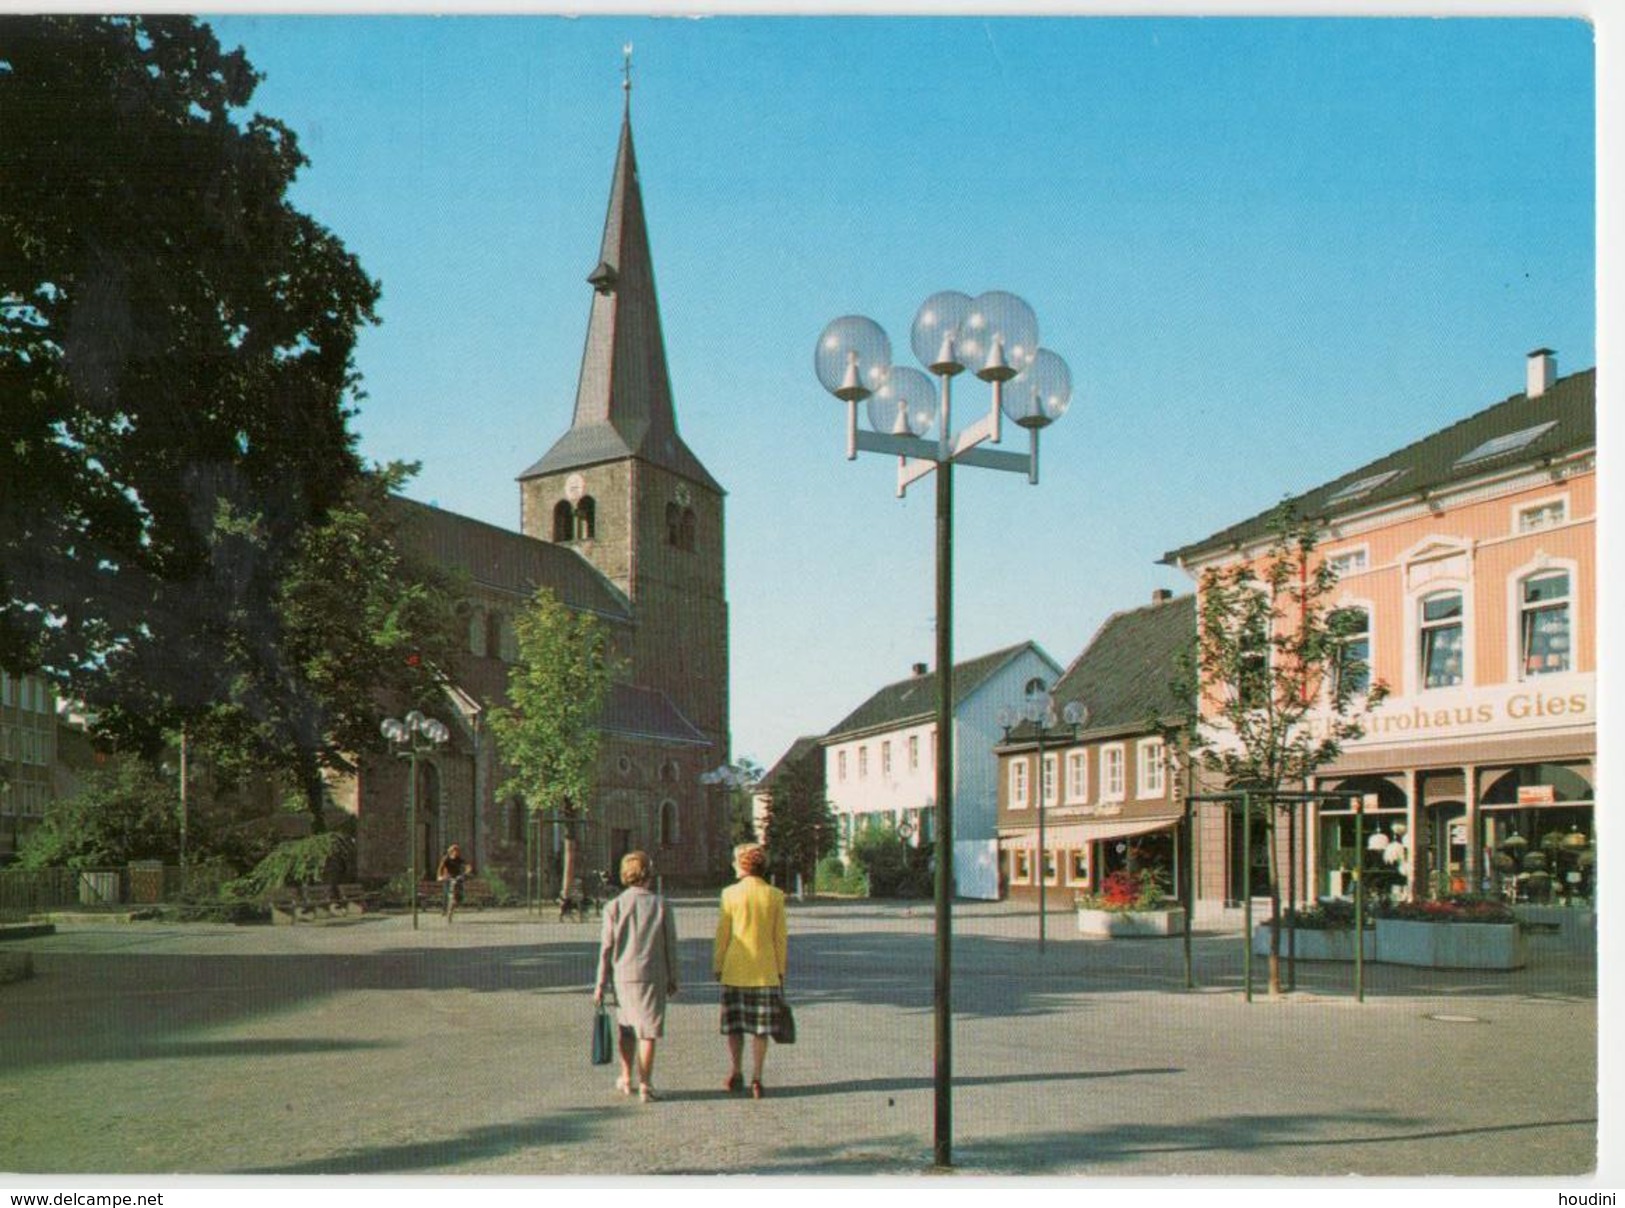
<point x="453" y="868"/>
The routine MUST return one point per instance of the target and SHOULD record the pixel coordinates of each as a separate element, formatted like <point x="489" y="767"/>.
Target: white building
<point x="880" y="761"/>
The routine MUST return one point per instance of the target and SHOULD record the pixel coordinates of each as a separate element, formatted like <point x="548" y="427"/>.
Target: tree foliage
<point x="175" y="362"/>
<point x="800" y="827"/>
<point x="548" y="734"/>
<point x="1278" y="690"/>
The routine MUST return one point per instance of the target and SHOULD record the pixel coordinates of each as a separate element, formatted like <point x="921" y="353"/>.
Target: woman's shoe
<point x="647" y="1093"/>
<point x="756" y="1091"/>
<point x="624" y="1085"/>
<point x="735" y="1083"/>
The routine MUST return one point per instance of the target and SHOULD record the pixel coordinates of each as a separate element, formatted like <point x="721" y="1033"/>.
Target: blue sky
<point x="1270" y="250"/>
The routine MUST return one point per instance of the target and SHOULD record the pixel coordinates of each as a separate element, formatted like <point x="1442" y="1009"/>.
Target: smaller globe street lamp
<point x="1039" y="709"/>
<point x="411" y="740"/>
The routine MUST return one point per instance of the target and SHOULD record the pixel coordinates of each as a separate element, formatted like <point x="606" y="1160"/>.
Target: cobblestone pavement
<point x="365" y="1047"/>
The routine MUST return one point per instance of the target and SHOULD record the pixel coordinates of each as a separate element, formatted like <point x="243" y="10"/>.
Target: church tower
<point x="623" y="490"/>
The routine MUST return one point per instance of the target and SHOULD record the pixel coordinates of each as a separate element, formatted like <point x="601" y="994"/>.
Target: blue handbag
<point x="603" y="1036"/>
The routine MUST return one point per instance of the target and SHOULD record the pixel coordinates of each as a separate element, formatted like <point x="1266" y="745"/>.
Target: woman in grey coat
<point x="638" y="952"/>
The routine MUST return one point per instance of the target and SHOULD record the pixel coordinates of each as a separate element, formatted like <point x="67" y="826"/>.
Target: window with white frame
<point x="1544" y="623"/>
<point x="1548" y="513"/>
<point x="863" y="763"/>
<point x="1052" y="872"/>
<point x="1077" y="776"/>
<point x="1152" y="768"/>
<point x="913" y="752"/>
<point x="1351" y="626"/>
<point x="5" y="688"/>
<point x="885" y="760"/>
<point x="1112" y="784"/>
<point x="840" y="765"/>
<point x="1440" y="639"/>
<point x="1349" y="562"/>
<point x="1018" y="784"/>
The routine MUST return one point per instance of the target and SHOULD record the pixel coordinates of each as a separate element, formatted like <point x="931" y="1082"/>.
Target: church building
<point x="620" y="519"/>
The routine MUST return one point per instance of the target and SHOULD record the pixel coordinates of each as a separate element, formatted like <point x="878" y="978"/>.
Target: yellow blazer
<point x="752" y="947"/>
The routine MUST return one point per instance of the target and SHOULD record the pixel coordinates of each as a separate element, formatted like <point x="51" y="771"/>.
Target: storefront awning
<point x="1072" y="836"/>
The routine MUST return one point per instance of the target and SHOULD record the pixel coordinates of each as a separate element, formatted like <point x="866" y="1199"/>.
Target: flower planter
<point x="1315" y="945"/>
<point x="1107" y="924"/>
<point x="1450" y="945"/>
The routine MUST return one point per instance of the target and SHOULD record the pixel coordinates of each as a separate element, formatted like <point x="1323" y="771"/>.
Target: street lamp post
<point x="996" y="336"/>
<point x="1040" y="711"/>
<point x="411" y="740"/>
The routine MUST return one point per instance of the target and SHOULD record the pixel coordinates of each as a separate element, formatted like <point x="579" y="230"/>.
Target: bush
<point x="501" y="894"/>
<point x="304" y="861"/>
<point x="836" y="877"/>
<point x="1123" y="890"/>
<point x="1462" y="908"/>
<point x="894" y="869"/>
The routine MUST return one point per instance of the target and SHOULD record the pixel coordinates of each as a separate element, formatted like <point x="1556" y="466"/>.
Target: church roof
<point x="502" y="560"/>
<point x="631" y="711"/>
<point x="623" y="398"/>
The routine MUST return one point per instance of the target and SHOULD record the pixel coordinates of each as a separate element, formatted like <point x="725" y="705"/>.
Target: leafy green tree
<point x="548" y="735"/>
<point x="1279" y="689"/>
<point x="894" y="868"/>
<point x="176" y="348"/>
<point x="124" y="811"/>
<point x="800" y="827"/>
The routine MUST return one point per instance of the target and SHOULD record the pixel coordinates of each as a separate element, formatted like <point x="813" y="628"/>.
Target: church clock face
<point x="684" y="496"/>
<point x="575" y="487"/>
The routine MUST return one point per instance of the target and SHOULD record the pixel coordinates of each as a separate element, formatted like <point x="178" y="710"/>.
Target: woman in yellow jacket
<point x="750" y="960"/>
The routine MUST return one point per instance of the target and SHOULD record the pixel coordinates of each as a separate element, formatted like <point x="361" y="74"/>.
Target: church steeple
<point x="623" y="397"/>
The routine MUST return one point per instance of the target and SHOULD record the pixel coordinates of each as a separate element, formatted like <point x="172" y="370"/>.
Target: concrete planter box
<point x="1108" y="924"/>
<point x="1315" y="945"/>
<point x="1450" y="945"/>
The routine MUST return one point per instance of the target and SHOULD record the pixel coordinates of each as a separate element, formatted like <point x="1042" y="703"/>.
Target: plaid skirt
<point x="752" y="1010"/>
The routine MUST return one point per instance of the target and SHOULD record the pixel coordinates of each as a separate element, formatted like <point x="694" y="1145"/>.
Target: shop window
<point x="1078" y="871"/>
<point x="1152" y="772"/>
<point x="1051" y="869"/>
<point x="1112" y="787"/>
<point x="1544" y="644"/>
<point x="1021" y="866"/>
<point x="1441" y="646"/>
<point x="1051" y="777"/>
<point x="1018" y="784"/>
<point x="1352" y="629"/>
<point x="1077" y="776"/>
<point x="564" y="522"/>
<point x="586" y="518"/>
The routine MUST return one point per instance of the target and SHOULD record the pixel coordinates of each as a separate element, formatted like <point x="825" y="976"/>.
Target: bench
<point x="476" y="894"/>
<point x="301" y="903"/>
<point x="356" y="899"/>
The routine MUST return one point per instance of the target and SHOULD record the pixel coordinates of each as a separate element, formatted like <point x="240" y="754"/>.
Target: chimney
<point x="919" y="669"/>
<point x="1161" y="595"/>
<point x="1542" y="372"/>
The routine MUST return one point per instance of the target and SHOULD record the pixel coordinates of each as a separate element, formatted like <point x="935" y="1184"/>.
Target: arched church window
<point x="586" y="518"/>
<point x="688" y="529"/>
<point x="668" y="823"/>
<point x="563" y="520"/>
<point x="669" y="771"/>
<point x="495" y="623"/>
<point x="476" y="631"/>
<point x="674" y="526"/>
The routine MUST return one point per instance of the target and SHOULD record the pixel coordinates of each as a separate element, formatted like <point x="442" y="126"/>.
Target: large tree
<point x="800" y="827"/>
<point x="549" y="734"/>
<point x="1280" y="686"/>
<point x="176" y="371"/>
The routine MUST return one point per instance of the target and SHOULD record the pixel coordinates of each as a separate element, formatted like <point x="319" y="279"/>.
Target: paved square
<point x="364" y="1047"/>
